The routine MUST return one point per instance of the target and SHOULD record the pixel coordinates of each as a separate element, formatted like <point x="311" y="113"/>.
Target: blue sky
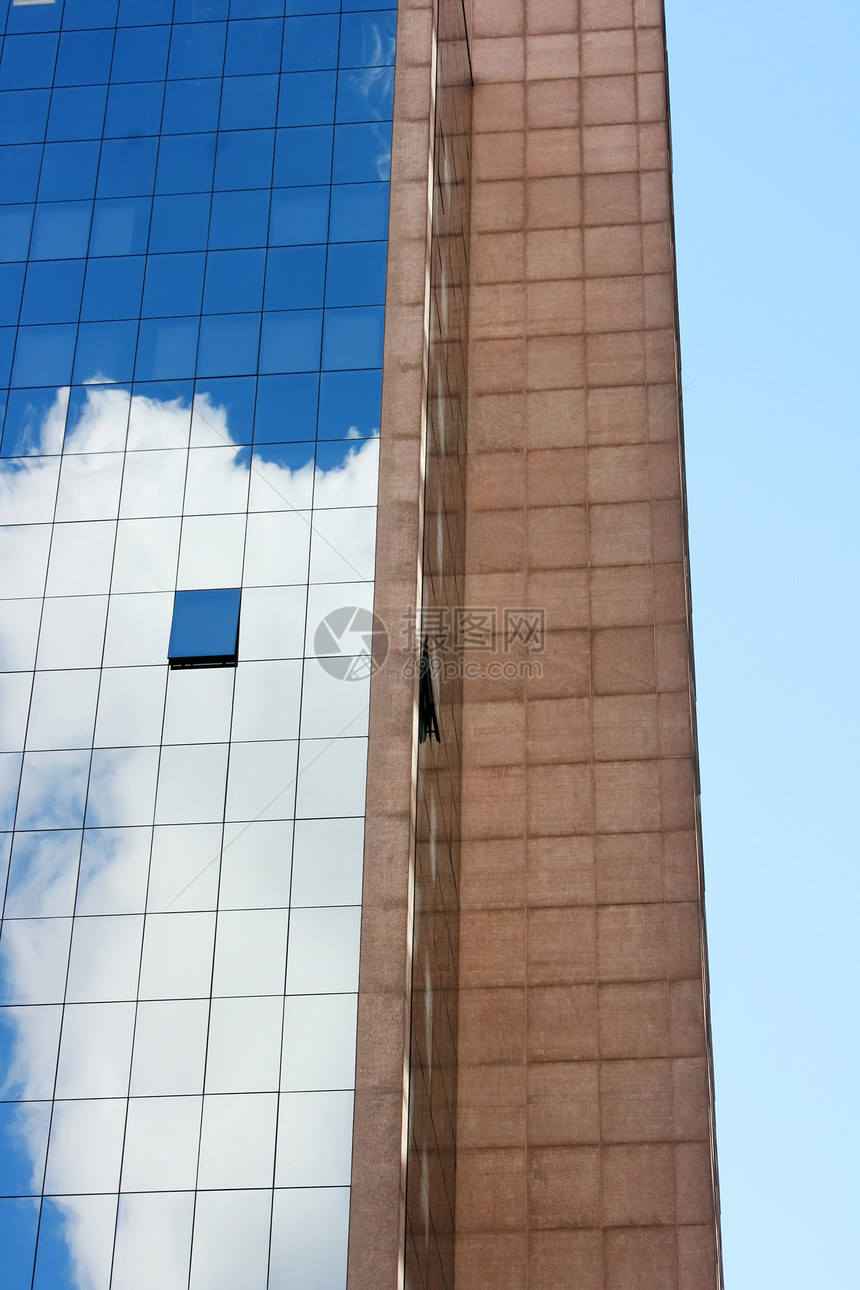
<point x="766" y="118"/>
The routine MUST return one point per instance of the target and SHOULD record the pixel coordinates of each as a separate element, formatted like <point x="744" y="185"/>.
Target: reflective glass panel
<point x="205" y="626"/>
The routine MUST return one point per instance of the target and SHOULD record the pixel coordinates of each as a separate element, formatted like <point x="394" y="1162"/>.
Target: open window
<point x="428" y="720"/>
<point x="205" y="630"/>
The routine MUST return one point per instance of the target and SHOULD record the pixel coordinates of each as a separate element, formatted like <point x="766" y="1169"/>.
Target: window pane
<point x="134" y="109"/>
<point x="77" y="112"/>
<point x="248" y="102"/>
<point x="205" y="626"/>
<point x="299" y="215"/>
<point x="307" y="98"/>
<point x="310" y="43"/>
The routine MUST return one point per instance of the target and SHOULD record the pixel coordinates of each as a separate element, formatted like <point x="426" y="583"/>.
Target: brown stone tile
<point x="657" y="253"/>
<point x="634" y="1021"/>
<point x="557" y="538"/>
<point x="690" y="1099"/>
<point x="614" y="304"/>
<point x="678" y="793"/>
<point x="649" y="13"/>
<point x="492" y="948"/>
<point x="687" y="1012"/>
<point x="651" y="96"/>
<point x="490" y="735"/>
<point x="491" y="1190"/>
<point x="617" y="415"/>
<point x="499" y="58"/>
<point x="552" y="56"/>
<point x="684" y="940"/>
<point x="565" y="666"/>
<point x="499" y="1260"/>
<point x="410" y="144"/>
<point x="613" y="251"/>
<point x="555" y="476"/>
<point x="491" y="1106"/>
<point x="498" y="257"/>
<point x="608" y="53"/>
<point x="563" y="1104"/>
<point x="644" y="1258"/>
<point x="694" y="1184"/>
<point x="492" y="873"/>
<point x="659" y="292"/>
<point x="673" y="657"/>
<point x="491" y="1027"/>
<point x="661" y="359"/>
<point x="493" y="802"/>
<point x="638" y="1185"/>
<point x="498" y="107"/>
<point x="656" y="202"/>
<point x="558" y="730"/>
<point x="562" y="1023"/>
<point x="667" y="529"/>
<point x="561" y="1259"/>
<point x="623" y="660"/>
<point x="497" y="366"/>
<point x="496" y="481"/>
<point x="559" y="800"/>
<point x="600" y="14"/>
<point x="681" y="865"/>
<point x="555" y="362"/>
<point x="654" y="146"/>
<point x="554" y="203"/>
<point x="555" y="418"/>
<point x="619" y="474"/>
<point x="414" y="37"/>
<point x="498" y="206"/>
<point x="622" y="597"/>
<point x="497" y="311"/>
<point x="610" y="199"/>
<point x="676" y="730"/>
<point x="627" y="796"/>
<point x="413" y="88"/>
<point x="561" y="946"/>
<point x="560" y="871"/>
<point x="498" y="155"/>
<point x="620" y="534"/>
<point x="497" y="421"/>
<point x="636" y="1101"/>
<point x="609" y="148"/>
<point x="697" y="1257"/>
<point x="383" y="1025"/>
<point x="554" y="308"/>
<point x="544" y="16"/>
<point x="563" y="596"/>
<point x="625" y="727"/>
<point x="495" y="590"/>
<point x="502" y="18"/>
<point x="629" y="868"/>
<point x="553" y="255"/>
<point x="563" y="1187"/>
<point x="631" y="943"/>
<point x="608" y="100"/>
<point x="616" y="359"/>
<point x="552" y="104"/>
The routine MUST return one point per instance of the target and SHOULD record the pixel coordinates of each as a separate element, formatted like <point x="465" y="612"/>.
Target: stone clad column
<point x="585" y="1139"/>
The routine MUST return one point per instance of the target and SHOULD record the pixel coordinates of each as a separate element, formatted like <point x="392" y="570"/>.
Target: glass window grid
<point x="281" y="1197"/>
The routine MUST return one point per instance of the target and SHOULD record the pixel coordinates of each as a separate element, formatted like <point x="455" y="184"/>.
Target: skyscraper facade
<point x="352" y="908"/>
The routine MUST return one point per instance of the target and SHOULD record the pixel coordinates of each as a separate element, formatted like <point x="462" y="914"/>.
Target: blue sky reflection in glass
<point x="205" y="630"/>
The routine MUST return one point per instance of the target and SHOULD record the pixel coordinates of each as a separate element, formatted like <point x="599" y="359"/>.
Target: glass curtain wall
<point x="193" y="223"/>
